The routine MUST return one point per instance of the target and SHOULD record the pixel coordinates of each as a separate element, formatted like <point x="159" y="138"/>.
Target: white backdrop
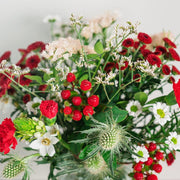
<point x="21" y="24"/>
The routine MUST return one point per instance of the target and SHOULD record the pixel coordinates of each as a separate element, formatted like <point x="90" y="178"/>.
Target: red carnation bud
<point x="169" y="42"/>
<point x="66" y="94"/>
<point x="171" y="79"/>
<point x="67" y="110"/>
<point x="26" y="98"/>
<point x="149" y="161"/>
<point x="152" y="147"/>
<point x="88" y="110"/>
<point x="161" y="49"/>
<point x="85" y="85"/>
<point x="166" y="69"/>
<point x="170" y="159"/>
<point x="174" y="54"/>
<point x="36" y="45"/>
<point x="152" y="177"/>
<point x="136" y="44"/>
<point x="138" y="167"/>
<point x="49" y="108"/>
<point x="70" y="77"/>
<point x="145" y="38"/>
<point x="159" y="155"/>
<point x="93" y="100"/>
<point x="157" y="168"/>
<point x="5" y="56"/>
<point x="109" y="67"/>
<point x="129" y="42"/>
<point x="175" y="70"/>
<point x="76" y="100"/>
<point x="137" y="76"/>
<point x="123" y="52"/>
<point x="42" y="87"/>
<point x="138" y="176"/>
<point x="77" y="115"/>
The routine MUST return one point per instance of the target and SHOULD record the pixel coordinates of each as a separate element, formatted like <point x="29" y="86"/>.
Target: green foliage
<point x="141" y="97"/>
<point x="98" y="47"/>
<point x="171" y="99"/>
<point x="34" y="78"/>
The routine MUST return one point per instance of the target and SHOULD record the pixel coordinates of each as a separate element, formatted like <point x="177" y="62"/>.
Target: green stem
<point x="106" y="92"/>
<point x="52" y="31"/>
<point x="66" y="145"/>
<point x="26" y="158"/>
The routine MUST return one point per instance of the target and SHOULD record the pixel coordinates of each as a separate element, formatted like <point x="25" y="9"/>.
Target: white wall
<point x="21" y="23"/>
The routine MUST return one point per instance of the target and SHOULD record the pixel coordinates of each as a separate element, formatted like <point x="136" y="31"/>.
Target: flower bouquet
<point x="87" y="103"/>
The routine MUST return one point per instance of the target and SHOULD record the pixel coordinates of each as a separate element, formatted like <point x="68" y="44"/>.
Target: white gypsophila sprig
<point x="45" y="144"/>
<point x="51" y="80"/>
<point x="161" y="113"/>
<point x="142" y="152"/>
<point x="173" y="140"/>
<point x="46" y="70"/>
<point x="145" y="67"/>
<point x="134" y="108"/>
<point x="29" y="105"/>
<point x="55" y="87"/>
<point x="52" y="18"/>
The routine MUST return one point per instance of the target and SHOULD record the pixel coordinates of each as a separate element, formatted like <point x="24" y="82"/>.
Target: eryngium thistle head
<point x="13" y="168"/>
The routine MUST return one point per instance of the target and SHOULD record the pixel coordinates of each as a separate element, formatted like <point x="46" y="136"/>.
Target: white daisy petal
<point x="43" y="150"/>
<point x="35" y="144"/>
<point x="50" y="150"/>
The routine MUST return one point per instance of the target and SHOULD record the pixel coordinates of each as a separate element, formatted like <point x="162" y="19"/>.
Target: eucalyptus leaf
<point x="98" y="47"/>
<point x="34" y="78"/>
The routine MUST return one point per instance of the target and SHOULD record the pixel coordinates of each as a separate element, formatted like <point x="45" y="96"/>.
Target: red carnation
<point x="137" y="77"/>
<point x="152" y="177"/>
<point x="7" y="131"/>
<point x="77" y="115"/>
<point x="136" y="44"/>
<point x="145" y="52"/>
<point x="70" y="77"/>
<point x="174" y="54"/>
<point x="26" y="98"/>
<point x="93" y="100"/>
<point x="145" y="38"/>
<point x="88" y="110"/>
<point x="169" y="42"/>
<point x="4" y="80"/>
<point x="11" y="91"/>
<point x="166" y="69"/>
<point x="65" y="94"/>
<point x="157" y="53"/>
<point x="170" y="159"/>
<point x="85" y="85"/>
<point x="76" y="100"/>
<point x="49" y="108"/>
<point x="33" y="61"/>
<point x="5" y="56"/>
<point x="67" y="110"/>
<point x="42" y="87"/>
<point x="176" y="87"/>
<point x="123" y="52"/>
<point x="23" y="51"/>
<point x="36" y="45"/>
<point x="161" y="49"/>
<point x="2" y="91"/>
<point x="109" y="67"/>
<point x="21" y="61"/>
<point x="126" y="63"/>
<point x="128" y="42"/>
<point x="154" y="60"/>
<point x="175" y="70"/>
<point x="25" y="81"/>
<point x="171" y="79"/>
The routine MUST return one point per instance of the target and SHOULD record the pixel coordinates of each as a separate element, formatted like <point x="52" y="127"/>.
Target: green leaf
<point x="34" y="78"/>
<point x="171" y="99"/>
<point x="118" y="114"/>
<point x="46" y="77"/>
<point x="83" y="77"/>
<point x="141" y="97"/>
<point x="93" y="56"/>
<point x="98" y="47"/>
<point x="155" y="100"/>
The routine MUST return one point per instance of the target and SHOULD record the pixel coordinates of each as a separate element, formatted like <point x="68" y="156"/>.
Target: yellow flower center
<point x="140" y="153"/>
<point x="46" y="142"/>
<point x="134" y="108"/>
<point x="174" y="140"/>
<point x="161" y="113"/>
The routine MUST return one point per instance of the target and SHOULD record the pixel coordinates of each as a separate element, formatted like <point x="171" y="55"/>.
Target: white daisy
<point x="134" y="108"/>
<point x="142" y="152"/>
<point x="173" y="141"/>
<point x="45" y="144"/>
<point x="161" y="113"/>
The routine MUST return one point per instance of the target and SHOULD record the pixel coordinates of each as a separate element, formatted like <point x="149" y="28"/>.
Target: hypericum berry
<point x="70" y="77"/>
<point x="76" y="100"/>
<point x="66" y="94"/>
<point x="159" y="155"/>
<point x="138" y="176"/>
<point x="93" y="100"/>
<point x="67" y="110"/>
<point x="149" y="161"/>
<point x="152" y="177"/>
<point x="138" y="167"/>
<point x="152" y="147"/>
<point x="88" y="110"/>
<point x="157" y="168"/>
<point x="77" y="115"/>
<point x="170" y="159"/>
<point x="85" y="85"/>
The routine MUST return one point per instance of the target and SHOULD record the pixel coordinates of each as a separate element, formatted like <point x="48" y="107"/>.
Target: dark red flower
<point x="23" y="51"/>
<point x="136" y="44"/>
<point x="166" y="69"/>
<point x="93" y="100"/>
<point x="138" y="176"/>
<point x="77" y="115"/>
<point x="42" y="87"/>
<point x="137" y="76"/>
<point x="2" y="91"/>
<point x="65" y="94"/>
<point x="76" y="100"/>
<point x="129" y="42"/>
<point x="109" y="67"/>
<point x="5" y="56"/>
<point x="22" y="60"/>
<point x="145" y="38"/>
<point x="145" y="52"/>
<point x="88" y="110"/>
<point x="70" y="77"/>
<point x="126" y="63"/>
<point x="152" y="177"/>
<point x="123" y="52"/>
<point x="157" y="53"/>
<point x="174" y="54"/>
<point x="67" y="110"/>
<point x="11" y="91"/>
<point x="154" y="60"/>
<point x="7" y="139"/>
<point x="4" y="80"/>
<point x="49" y="108"/>
<point x="176" y="87"/>
<point x="85" y="85"/>
<point x="161" y="49"/>
<point x="169" y="42"/>
<point x="25" y="81"/>
<point x="175" y="70"/>
<point x="26" y="98"/>
<point x="171" y="79"/>
<point x="170" y="159"/>
<point x="36" y="45"/>
<point x="33" y="61"/>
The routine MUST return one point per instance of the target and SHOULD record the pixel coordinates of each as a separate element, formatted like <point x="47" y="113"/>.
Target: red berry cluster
<point x="80" y="104"/>
<point x="141" y="169"/>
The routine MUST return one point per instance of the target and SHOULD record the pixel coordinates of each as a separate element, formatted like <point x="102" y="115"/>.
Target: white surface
<point x="21" y="24"/>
